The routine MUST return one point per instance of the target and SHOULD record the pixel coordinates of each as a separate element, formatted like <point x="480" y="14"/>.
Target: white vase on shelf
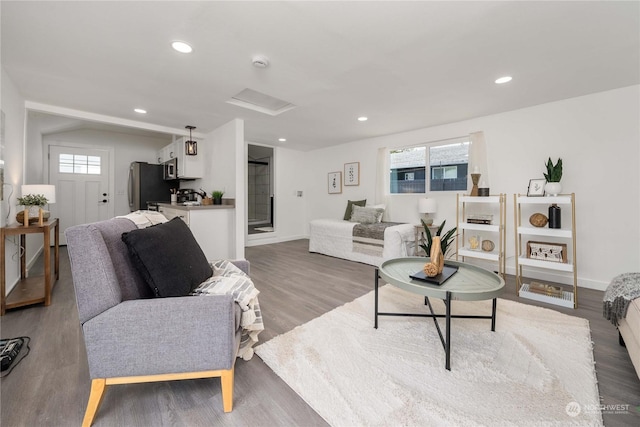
<point x="552" y="188"/>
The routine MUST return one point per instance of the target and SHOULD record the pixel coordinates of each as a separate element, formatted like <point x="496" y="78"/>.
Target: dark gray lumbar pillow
<point x="168" y="258"/>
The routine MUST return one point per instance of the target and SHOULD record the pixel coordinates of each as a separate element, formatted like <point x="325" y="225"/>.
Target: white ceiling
<point x="405" y="65"/>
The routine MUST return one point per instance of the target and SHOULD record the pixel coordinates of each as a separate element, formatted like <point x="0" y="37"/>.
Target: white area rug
<point x="536" y="369"/>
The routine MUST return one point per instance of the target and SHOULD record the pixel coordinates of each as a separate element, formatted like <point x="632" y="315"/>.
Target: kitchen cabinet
<point x="546" y="249"/>
<point x="166" y="153"/>
<point x="188" y="166"/>
<point x="211" y="225"/>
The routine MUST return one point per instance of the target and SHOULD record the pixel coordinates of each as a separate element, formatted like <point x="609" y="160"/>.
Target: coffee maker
<point x="187" y="195"/>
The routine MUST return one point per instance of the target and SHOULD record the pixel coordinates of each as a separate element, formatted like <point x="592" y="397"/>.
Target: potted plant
<point x="32" y="204"/>
<point x="553" y="176"/>
<point x="217" y="197"/>
<point x="446" y="239"/>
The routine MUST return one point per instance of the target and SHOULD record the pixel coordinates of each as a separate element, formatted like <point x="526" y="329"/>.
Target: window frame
<point x="427" y="163"/>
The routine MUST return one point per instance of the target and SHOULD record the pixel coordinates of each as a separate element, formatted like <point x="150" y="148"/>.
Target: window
<point x="80" y="164"/>
<point x="408" y="170"/>
<point x="448" y="167"/>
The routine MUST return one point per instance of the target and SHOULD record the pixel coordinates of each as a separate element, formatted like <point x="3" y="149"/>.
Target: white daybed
<point x="334" y="237"/>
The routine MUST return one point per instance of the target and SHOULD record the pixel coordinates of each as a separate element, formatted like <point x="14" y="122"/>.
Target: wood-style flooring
<point x="50" y="387"/>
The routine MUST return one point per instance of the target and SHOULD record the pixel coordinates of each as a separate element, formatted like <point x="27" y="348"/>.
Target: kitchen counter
<point x="211" y="225"/>
<point x="226" y="204"/>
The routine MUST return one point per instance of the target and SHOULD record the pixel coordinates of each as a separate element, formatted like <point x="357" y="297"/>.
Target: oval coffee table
<point x="469" y="283"/>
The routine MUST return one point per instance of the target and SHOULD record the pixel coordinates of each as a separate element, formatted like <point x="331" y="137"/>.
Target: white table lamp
<point x="48" y="191"/>
<point x="427" y="206"/>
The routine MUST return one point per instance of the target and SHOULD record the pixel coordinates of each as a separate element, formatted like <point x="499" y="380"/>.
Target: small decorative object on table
<point x="32" y="212"/>
<point x="436" y="264"/>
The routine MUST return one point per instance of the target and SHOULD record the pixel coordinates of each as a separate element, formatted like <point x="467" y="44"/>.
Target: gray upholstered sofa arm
<point x="200" y="337"/>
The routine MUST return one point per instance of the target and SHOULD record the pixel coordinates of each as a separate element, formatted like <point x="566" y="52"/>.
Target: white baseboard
<point x="268" y="238"/>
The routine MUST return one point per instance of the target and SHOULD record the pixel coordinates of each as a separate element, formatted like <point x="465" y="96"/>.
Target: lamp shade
<point x="427" y="206"/>
<point x="48" y="191"/>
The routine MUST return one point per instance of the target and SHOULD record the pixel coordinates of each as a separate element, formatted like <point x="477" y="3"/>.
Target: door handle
<point x="103" y="201"/>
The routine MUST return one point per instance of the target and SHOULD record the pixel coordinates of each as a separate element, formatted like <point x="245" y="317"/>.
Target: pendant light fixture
<point x="191" y="146"/>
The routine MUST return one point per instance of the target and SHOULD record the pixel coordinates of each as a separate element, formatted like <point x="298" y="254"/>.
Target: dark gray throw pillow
<point x="168" y="258"/>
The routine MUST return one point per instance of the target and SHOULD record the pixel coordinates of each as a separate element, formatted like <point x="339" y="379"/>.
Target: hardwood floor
<point x="50" y="387"/>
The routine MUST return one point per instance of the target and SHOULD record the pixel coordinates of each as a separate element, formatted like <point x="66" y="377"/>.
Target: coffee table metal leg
<point x="493" y="315"/>
<point x="447" y="345"/>
<point x="375" y="321"/>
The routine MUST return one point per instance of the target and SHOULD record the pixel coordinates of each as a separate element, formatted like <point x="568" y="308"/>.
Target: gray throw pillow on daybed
<point x="168" y="258"/>
<point x="350" y="205"/>
<point x="366" y="215"/>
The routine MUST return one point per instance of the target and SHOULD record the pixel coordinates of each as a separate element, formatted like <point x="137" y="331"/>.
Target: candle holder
<point x="475" y="178"/>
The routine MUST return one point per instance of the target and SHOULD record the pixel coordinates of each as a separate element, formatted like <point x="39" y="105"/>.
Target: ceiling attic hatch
<point x="257" y="101"/>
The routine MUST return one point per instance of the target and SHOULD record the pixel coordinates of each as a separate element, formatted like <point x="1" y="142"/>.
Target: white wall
<point x="12" y="104"/>
<point x="225" y="160"/>
<point x="127" y="148"/>
<point x="598" y="138"/>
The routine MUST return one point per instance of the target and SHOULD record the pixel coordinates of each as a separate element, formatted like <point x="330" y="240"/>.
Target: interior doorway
<point x="260" y="200"/>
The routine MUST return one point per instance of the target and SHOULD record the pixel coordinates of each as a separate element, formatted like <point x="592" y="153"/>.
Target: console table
<point x="30" y="290"/>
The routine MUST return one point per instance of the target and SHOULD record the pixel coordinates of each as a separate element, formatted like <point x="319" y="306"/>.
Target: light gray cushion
<point x="366" y="215"/>
<point x="350" y="205"/>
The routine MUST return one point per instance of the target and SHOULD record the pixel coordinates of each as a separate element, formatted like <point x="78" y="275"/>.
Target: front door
<point x="81" y="177"/>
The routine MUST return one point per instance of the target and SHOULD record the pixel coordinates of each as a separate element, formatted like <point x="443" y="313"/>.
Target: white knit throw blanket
<point x="144" y="219"/>
<point x="621" y="291"/>
<point x="229" y="279"/>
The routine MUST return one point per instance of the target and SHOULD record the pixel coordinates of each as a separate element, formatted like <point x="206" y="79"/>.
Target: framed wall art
<point x="536" y="187"/>
<point x="352" y="173"/>
<point x="335" y="182"/>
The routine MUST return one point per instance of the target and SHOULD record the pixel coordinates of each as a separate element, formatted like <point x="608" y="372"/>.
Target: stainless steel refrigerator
<point x="147" y="184"/>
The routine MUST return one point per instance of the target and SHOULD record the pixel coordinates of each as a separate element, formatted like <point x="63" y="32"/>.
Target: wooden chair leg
<point x="95" y="398"/>
<point x="226" y="381"/>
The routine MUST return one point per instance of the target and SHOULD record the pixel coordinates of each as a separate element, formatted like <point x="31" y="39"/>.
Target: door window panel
<point x="80" y="164"/>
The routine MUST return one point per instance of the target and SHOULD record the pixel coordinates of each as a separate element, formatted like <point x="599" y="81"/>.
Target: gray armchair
<point x="131" y="337"/>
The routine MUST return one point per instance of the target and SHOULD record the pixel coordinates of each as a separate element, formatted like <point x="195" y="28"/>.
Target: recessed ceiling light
<point x="181" y="47"/>
<point x="140" y="110"/>
<point x="504" y="79"/>
<point x="282" y="139"/>
<point x="363" y="119"/>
